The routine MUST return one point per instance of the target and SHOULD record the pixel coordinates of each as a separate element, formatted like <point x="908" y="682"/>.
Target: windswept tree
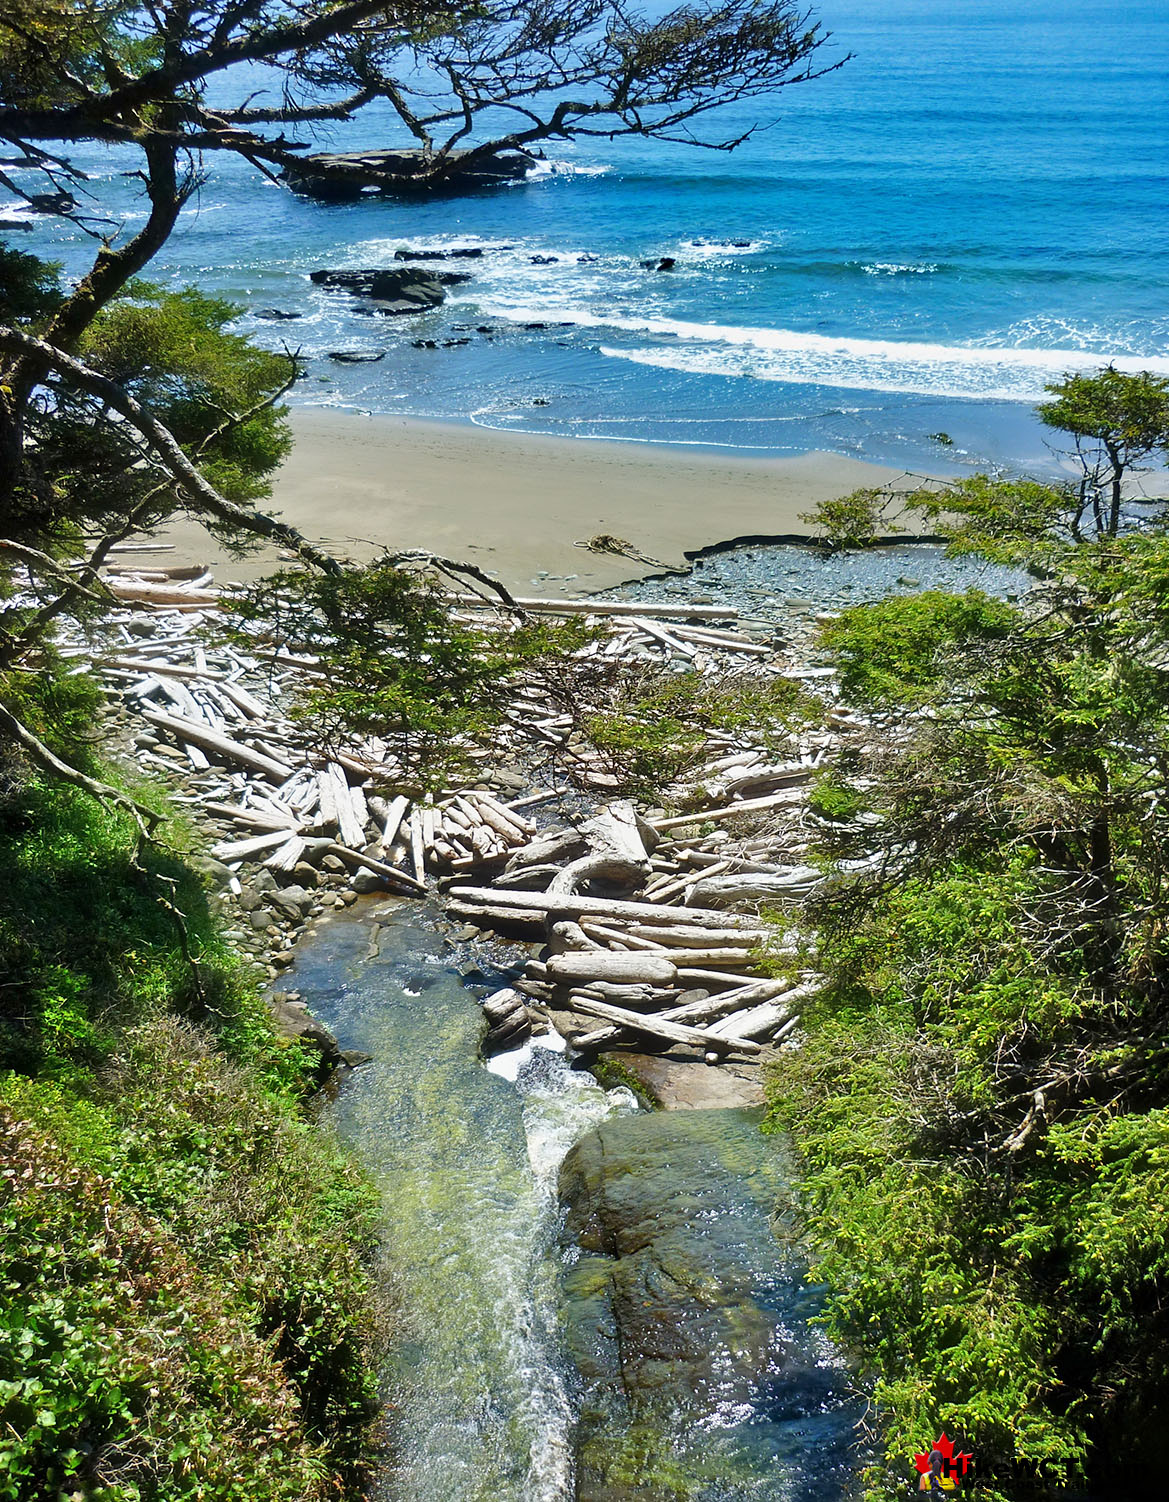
<point x="120" y="405"/>
<point x="983" y="1099"/>
<point x="1117" y="423"/>
<point x="1118" y="427"/>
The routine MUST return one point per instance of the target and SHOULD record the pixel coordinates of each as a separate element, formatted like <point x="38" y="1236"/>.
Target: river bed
<point x="650" y="1341"/>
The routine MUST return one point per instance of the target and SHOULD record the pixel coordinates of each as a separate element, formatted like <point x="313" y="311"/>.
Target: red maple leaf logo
<point x="953" y="1466"/>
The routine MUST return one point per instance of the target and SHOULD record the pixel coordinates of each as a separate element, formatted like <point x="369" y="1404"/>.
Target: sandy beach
<point x="517" y="505"/>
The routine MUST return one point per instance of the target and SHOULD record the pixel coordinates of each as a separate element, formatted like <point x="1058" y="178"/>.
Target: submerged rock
<point x="394" y="289"/>
<point x="292" y="1020"/>
<point x="686" y="1318"/>
<point x="356" y="356"/>
<point x="459" y="252"/>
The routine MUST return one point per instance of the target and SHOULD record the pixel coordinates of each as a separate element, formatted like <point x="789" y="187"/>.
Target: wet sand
<point x="517" y="504"/>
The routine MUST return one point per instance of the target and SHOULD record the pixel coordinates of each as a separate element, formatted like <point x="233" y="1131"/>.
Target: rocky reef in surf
<point x="343" y="175"/>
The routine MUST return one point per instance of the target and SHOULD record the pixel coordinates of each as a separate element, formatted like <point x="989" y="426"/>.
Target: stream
<point x="646" y="1338"/>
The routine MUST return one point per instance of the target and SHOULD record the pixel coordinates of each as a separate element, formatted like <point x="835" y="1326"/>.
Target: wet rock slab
<point x="689" y="1084"/>
<point x="687" y="1319"/>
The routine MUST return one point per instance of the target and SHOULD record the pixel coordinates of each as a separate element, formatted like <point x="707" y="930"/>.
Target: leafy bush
<point x="397" y="662"/>
<point x="658" y="726"/>
<point x="856" y="520"/>
<point x="86" y="948"/>
<point x="142" y="1355"/>
<point x="832" y="797"/>
<point x="997" y="1256"/>
<point x="186" y="1308"/>
<point x="899" y="650"/>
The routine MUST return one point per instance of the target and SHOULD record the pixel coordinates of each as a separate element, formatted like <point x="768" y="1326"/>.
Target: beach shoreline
<point x="517" y="504"/>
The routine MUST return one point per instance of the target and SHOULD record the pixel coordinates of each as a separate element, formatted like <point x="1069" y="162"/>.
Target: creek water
<point x="650" y="1341"/>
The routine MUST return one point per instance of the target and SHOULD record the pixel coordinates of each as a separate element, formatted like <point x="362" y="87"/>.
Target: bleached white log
<point x="417" y="846"/>
<point x="666" y="609"/>
<point x="236" y="850"/>
<point x="576" y="905"/>
<point x="380" y="868"/>
<point x="729" y="811"/>
<point x="725" y="640"/>
<point x="162" y="594"/>
<point x="243" y="700"/>
<point x="695" y="1011"/>
<point x="164" y="669"/>
<point x="667" y="638"/>
<point x="617" y="830"/>
<point x="751" y="1022"/>
<point x="673" y="1032"/>
<point x="579" y="966"/>
<point x="622" y="936"/>
<point x="786" y="886"/>
<point x="511" y="827"/>
<point x="221" y="745"/>
<point x="352" y="832"/>
<point x="530" y="800"/>
<point x="286" y="857"/>
<point x="394" y="816"/>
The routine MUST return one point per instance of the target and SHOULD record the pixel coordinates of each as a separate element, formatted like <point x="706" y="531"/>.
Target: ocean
<point x="912" y="247"/>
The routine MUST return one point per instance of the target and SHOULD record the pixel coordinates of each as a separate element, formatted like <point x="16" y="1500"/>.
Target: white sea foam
<point x="553" y="167"/>
<point x="716" y="250"/>
<point x="899" y="268"/>
<point x="927" y="369"/>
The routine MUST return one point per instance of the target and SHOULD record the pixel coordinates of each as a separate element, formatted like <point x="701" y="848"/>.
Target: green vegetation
<point x="184" y="1260"/>
<point x="611" y="1073"/>
<point x="852" y="521"/>
<point x="982" y="1104"/>
<point x="900" y="650"/>
<point x="396" y="661"/>
<point x="833" y="797"/>
<point x="657" y="728"/>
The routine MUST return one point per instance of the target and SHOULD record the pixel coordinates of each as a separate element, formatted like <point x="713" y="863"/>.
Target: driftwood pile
<point x="649" y="924"/>
<point x="656" y="965"/>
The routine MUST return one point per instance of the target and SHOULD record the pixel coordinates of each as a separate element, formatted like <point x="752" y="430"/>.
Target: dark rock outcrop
<point x="398" y="289"/>
<point x="292" y="1020"/>
<point x="458" y="253"/>
<point x="344" y="175"/>
<point x="52" y="203"/>
<point x="276" y="315"/>
<point x="680" y="1305"/>
<point x="356" y="356"/>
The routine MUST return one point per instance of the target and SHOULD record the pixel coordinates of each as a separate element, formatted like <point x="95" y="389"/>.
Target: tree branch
<point x="202" y="494"/>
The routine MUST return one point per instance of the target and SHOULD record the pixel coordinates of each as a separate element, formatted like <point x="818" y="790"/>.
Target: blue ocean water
<point x="972" y="205"/>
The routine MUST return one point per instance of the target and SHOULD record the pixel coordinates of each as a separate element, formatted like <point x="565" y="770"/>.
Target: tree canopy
<point x="984" y="1095"/>
<point x="121" y="404"/>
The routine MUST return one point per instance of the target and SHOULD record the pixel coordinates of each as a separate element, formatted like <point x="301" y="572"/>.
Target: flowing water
<point x="504" y="1382"/>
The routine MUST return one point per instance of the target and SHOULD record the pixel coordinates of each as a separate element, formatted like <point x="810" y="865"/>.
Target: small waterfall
<point x="467" y="1158"/>
<point x="652" y="1343"/>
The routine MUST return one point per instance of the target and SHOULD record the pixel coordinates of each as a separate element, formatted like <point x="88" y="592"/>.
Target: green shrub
<point x="832" y="797"/>
<point x="1011" y="1294"/>
<point x="186" y="1306"/>
<point x="129" y="1368"/>
<point x="657" y="729"/>
<point x="896" y="651"/>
